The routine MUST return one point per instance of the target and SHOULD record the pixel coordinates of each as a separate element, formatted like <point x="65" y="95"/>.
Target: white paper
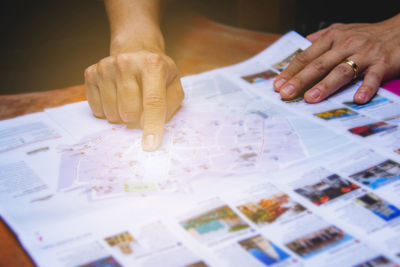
<point x="242" y="178"/>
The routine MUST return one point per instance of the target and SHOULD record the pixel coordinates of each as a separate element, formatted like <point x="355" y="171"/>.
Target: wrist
<point x="126" y="43"/>
<point x="391" y="23"/>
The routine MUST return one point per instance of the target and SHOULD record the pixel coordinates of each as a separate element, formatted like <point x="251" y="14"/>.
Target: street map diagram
<point x="112" y="162"/>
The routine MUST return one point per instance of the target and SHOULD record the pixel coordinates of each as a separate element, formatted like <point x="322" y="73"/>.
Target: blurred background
<point x="47" y="44"/>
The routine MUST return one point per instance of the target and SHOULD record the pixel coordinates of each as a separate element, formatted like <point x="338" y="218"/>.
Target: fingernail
<point x="288" y="90"/>
<point x="314" y="93"/>
<point x="279" y="83"/>
<point x="361" y="97"/>
<point x="149" y="142"/>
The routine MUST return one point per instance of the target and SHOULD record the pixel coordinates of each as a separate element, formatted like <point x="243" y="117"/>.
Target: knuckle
<point x="303" y="58"/>
<point x="345" y="70"/>
<point x="154" y="102"/>
<point x="93" y="103"/>
<point x="153" y="61"/>
<point x="103" y="66"/>
<point x="319" y="66"/>
<point x="102" y="63"/>
<point x="333" y="31"/>
<point x="352" y="42"/>
<point x="96" y="108"/>
<point x="384" y="60"/>
<point x="112" y="117"/>
<point x="153" y="58"/>
<point x="123" y="61"/>
<point x="336" y="25"/>
<point x="97" y="112"/>
<point x="129" y="116"/>
<point x="88" y="72"/>
<point x="297" y="81"/>
<point x="100" y="69"/>
<point x="371" y="48"/>
<point x="129" y="111"/>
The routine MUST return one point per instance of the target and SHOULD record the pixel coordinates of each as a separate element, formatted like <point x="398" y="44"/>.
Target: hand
<point x="319" y="71"/>
<point x="140" y="89"/>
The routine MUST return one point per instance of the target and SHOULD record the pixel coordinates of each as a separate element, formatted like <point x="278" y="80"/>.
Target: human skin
<point x="138" y="84"/>
<point x="319" y="70"/>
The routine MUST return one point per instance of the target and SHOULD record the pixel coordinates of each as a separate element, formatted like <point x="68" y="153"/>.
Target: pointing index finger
<point x="154" y="103"/>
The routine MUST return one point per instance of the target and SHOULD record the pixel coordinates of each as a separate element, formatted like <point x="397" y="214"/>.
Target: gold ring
<point x="353" y="65"/>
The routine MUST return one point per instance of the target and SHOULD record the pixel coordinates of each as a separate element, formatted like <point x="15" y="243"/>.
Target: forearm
<point x="134" y="25"/>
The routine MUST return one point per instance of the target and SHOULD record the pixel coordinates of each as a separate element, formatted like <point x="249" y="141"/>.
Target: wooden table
<point x="194" y="42"/>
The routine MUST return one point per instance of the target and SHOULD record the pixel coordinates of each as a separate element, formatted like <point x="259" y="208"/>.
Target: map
<point x="112" y="163"/>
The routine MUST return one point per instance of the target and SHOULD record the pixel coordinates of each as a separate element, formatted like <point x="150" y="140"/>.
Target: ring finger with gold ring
<point x="338" y="77"/>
